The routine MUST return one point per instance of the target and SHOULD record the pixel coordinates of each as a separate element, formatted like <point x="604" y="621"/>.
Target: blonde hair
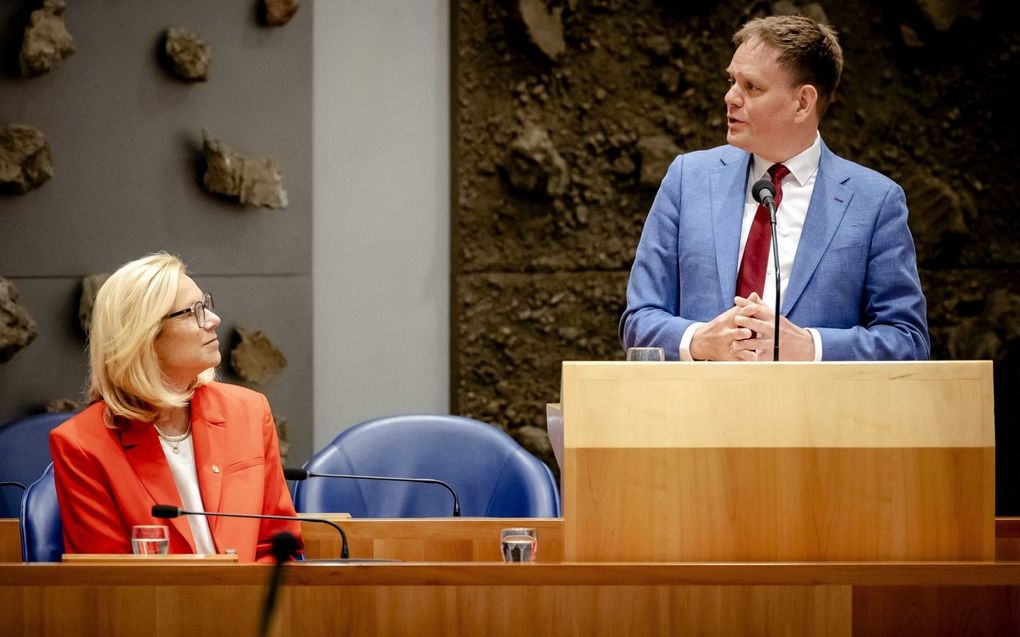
<point x="127" y="317"/>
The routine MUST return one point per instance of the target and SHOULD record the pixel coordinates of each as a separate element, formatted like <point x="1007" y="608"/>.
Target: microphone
<point x="293" y="473"/>
<point x="166" y="511"/>
<point x="284" y="544"/>
<point x="11" y="483"/>
<point x="765" y="193"/>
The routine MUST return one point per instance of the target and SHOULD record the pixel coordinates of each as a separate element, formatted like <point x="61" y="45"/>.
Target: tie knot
<point x="777" y="172"/>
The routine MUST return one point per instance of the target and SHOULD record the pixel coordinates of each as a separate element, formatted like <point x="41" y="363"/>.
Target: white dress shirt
<point x="793" y="208"/>
<point x="182" y="466"/>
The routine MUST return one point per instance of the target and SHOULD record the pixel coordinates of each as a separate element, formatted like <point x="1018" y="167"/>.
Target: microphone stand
<point x="291" y="473"/>
<point x="166" y="511"/>
<point x="284" y="545"/>
<point x="770" y="203"/>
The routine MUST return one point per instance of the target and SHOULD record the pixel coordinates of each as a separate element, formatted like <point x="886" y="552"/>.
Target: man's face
<point x="761" y="103"/>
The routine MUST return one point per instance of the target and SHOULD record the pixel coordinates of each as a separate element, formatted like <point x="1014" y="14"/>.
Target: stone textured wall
<point x="566" y="115"/>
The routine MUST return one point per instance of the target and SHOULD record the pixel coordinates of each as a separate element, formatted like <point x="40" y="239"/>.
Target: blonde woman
<point x="162" y="431"/>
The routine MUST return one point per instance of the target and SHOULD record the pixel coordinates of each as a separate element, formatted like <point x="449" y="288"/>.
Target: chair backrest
<point x="42" y="533"/>
<point x="492" y="474"/>
<point x="24" y="454"/>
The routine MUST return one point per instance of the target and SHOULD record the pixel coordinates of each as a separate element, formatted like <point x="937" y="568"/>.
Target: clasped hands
<point x="745" y="333"/>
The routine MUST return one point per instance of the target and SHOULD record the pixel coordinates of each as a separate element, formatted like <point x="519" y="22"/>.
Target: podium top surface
<point x="727" y="405"/>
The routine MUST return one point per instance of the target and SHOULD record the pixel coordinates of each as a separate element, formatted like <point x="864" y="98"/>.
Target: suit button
<point x="231" y="551"/>
<point x="215" y="468"/>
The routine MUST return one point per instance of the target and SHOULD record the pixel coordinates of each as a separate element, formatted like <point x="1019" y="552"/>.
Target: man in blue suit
<point x="850" y="289"/>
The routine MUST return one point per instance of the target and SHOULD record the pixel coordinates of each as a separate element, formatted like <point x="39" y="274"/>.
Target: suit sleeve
<point x="90" y="516"/>
<point x="653" y="291"/>
<point x="277" y="500"/>
<point x="894" y="321"/>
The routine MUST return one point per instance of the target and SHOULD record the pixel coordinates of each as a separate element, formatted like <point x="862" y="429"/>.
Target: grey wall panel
<point x="55" y="364"/>
<point x="126" y="139"/>
<point x="382" y="201"/>
<point x="280" y="307"/>
<point x="126" y="143"/>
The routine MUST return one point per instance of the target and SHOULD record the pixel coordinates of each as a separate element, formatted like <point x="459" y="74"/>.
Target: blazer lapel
<point x="829" y="202"/>
<point x="728" y="190"/>
<point x="145" y="455"/>
<point x="209" y="434"/>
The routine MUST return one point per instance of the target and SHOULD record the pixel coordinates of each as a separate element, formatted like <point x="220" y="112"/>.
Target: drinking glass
<point x="150" y="539"/>
<point x="645" y="354"/>
<point x="519" y="545"/>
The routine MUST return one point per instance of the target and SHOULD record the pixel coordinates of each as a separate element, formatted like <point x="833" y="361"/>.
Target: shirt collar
<point x="801" y="165"/>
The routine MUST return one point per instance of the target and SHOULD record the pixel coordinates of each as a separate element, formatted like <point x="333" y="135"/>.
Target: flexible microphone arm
<point x="764" y="193"/>
<point x="167" y="511"/>
<point x="11" y="483"/>
<point x="293" y="473"/>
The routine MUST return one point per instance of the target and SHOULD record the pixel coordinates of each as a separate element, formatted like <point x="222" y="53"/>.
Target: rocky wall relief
<point x="283" y="436"/>
<point x="255" y="358"/>
<point x="276" y="13"/>
<point x="567" y="114"/>
<point x="25" y="161"/>
<point x="186" y="55"/>
<point x="89" y="289"/>
<point x="17" y="328"/>
<point x="46" y="40"/>
<point x="254" y="181"/>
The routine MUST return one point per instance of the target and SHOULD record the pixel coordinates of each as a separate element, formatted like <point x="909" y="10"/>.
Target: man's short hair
<point x="807" y="49"/>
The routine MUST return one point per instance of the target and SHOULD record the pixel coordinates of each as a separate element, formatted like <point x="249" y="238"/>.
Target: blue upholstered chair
<point x="24" y="454"/>
<point x="493" y="475"/>
<point x="42" y="534"/>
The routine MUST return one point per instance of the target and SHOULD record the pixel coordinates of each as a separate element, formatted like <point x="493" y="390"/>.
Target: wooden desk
<point x="430" y="539"/>
<point x="417" y="539"/>
<point x="504" y="599"/>
<point x="463" y="540"/>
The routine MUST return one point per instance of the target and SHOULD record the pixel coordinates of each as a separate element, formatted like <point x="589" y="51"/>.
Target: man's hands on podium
<point x="728" y="337"/>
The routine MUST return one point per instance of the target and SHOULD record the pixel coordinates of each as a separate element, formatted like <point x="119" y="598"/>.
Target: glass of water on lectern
<point x="519" y="545"/>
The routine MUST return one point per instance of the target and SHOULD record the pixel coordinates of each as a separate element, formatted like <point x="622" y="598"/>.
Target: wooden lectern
<point x="778" y="461"/>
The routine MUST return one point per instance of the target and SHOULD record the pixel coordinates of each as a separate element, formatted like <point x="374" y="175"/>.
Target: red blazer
<point x="108" y="479"/>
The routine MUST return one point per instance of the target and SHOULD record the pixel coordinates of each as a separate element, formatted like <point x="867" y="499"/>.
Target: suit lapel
<point x="145" y="455"/>
<point x="210" y="446"/>
<point x="829" y="202"/>
<point x="728" y="190"/>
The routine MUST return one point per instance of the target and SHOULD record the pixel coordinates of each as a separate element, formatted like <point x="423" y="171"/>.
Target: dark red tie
<point x="751" y="276"/>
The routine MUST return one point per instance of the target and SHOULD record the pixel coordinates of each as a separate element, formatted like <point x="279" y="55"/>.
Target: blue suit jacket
<point x="854" y="278"/>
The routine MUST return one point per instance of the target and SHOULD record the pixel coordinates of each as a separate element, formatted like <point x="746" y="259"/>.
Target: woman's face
<point x="184" y="349"/>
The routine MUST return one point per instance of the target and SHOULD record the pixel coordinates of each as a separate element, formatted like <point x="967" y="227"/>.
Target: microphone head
<point x="761" y="188"/>
<point x="294" y="473"/>
<point x="165" y="511"/>
<point x="284" y="546"/>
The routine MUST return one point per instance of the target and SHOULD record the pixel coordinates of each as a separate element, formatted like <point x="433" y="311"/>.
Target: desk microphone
<point x="167" y="511"/>
<point x="765" y="193"/>
<point x="293" y="473"/>
<point x="284" y="544"/>
<point x="13" y="484"/>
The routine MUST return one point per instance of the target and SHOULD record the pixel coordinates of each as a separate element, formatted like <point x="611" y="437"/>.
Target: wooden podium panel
<point x="778" y="461"/>
<point x="469" y="599"/>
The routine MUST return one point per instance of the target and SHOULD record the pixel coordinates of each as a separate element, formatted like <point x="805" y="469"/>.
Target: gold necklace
<point x="174" y="440"/>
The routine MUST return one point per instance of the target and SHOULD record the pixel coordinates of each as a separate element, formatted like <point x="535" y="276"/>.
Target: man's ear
<point x="807" y="99"/>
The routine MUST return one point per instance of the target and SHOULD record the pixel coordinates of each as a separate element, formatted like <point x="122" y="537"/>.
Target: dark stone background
<point x="556" y="162"/>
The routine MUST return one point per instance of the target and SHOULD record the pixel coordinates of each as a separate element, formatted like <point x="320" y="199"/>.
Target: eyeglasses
<point x="198" y="308"/>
